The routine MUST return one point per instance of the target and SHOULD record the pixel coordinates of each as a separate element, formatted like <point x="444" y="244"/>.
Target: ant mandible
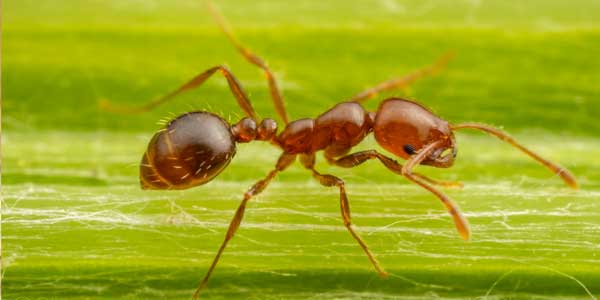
<point x="195" y="147"/>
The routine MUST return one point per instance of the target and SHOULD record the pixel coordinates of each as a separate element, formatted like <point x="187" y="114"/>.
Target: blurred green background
<point x="76" y="226"/>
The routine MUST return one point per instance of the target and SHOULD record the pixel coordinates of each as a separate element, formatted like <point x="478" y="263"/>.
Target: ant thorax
<point x="345" y="125"/>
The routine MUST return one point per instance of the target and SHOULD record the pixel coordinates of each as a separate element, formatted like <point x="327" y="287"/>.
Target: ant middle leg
<point x="234" y="85"/>
<point x="308" y="161"/>
<point x="405" y="81"/>
<point x="357" y="158"/>
<point x="284" y="161"/>
<point x="254" y="59"/>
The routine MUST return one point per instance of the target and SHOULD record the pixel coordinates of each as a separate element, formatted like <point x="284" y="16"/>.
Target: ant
<point x="195" y="147"/>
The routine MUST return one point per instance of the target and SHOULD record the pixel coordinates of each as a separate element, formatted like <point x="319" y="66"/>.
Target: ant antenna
<point x="566" y="176"/>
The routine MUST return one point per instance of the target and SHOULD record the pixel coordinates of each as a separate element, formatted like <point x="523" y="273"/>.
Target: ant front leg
<point x="402" y="82"/>
<point x="308" y="160"/>
<point x="461" y="223"/>
<point x="234" y="85"/>
<point x="355" y="159"/>
<point x="284" y="161"/>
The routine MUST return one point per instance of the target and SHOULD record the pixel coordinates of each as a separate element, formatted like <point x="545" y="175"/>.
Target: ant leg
<point x="442" y="183"/>
<point x="252" y="58"/>
<point x="565" y="174"/>
<point x="462" y="225"/>
<point x="234" y="85"/>
<point x="405" y="81"/>
<point x="355" y="159"/>
<point x="329" y="180"/>
<point x="284" y="161"/>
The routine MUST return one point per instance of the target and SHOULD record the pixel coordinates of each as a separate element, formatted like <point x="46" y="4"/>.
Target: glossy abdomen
<point x="192" y="150"/>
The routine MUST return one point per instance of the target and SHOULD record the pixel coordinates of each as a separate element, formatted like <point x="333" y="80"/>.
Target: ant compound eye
<point x="408" y="148"/>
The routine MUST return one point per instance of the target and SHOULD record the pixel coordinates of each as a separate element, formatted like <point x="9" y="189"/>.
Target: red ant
<point x="195" y="147"/>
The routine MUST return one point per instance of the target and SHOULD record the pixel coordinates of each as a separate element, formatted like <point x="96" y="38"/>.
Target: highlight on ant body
<point x="195" y="147"/>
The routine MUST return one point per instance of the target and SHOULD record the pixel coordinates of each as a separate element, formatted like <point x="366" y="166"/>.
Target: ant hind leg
<point x="252" y="58"/>
<point x="284" y="161"/>
<point x="234" y="85"/>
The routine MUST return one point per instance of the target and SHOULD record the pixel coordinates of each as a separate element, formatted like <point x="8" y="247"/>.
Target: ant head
<point x="404" y="127"/>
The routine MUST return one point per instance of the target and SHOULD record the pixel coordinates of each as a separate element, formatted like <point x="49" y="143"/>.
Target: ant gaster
<point x="195" y="147"/>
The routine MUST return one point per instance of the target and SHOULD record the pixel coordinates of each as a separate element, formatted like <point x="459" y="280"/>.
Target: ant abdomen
<point x="192" y="150"/>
